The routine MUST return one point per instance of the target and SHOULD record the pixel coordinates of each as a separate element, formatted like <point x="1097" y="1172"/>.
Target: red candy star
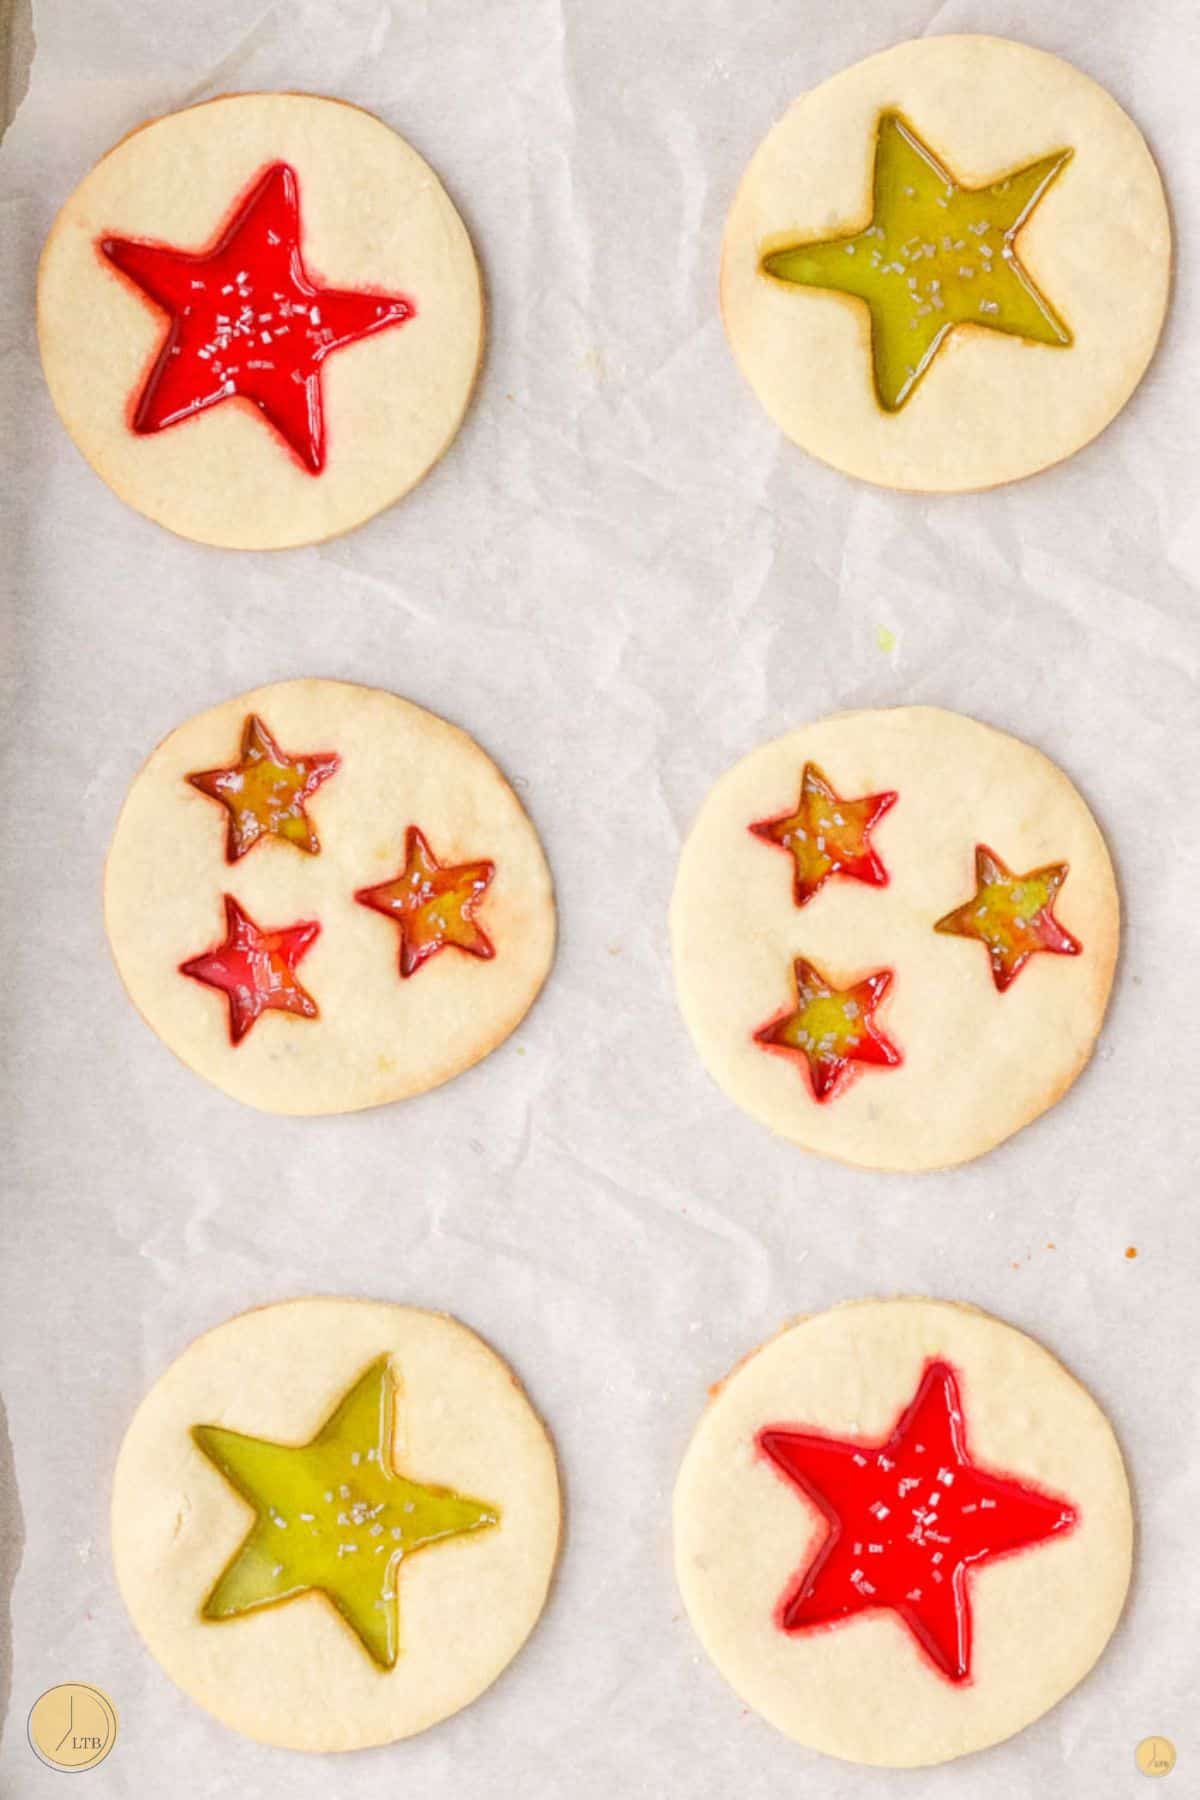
<point x="908" y="1519"/>
<point x="247" y="321"/>
<point x="830" y="1028"/>
<point x="1012" y="915"/>
<point x="264" y="792"/>
<point x="256" y="969"/>
<point x="827" y="836"/>
<point x="433" y="906"/>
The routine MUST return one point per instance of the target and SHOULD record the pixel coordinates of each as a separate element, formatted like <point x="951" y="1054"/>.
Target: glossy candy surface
<point x="935" y="255"/>
<point x="247" y="320"/>
<point x="907" y="1519"/>
<point x="433" y="904"/>
<point x="265" y="790"/>
<point x="1012" y="916"/>
<point x="334" y="1515"/>
<point x="256" y="969"/>
<point x="827" y="836"/>
<point x="829" y="1029"/>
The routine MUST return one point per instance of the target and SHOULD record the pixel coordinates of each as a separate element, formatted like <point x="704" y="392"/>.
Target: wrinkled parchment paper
<point x="620" y="579"/>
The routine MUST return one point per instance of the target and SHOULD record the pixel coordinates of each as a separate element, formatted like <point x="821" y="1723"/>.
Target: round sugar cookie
<point x="902" y="1531"/>
<point x="947" y="267"/>
<point x="334" y="1522"/>
<point x="894" y="935"/>
<point x="322" y="897"/>
<point x="260" y="319"/>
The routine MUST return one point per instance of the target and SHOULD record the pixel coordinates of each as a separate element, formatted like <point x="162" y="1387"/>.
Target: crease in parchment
<point x="224" y="75"/>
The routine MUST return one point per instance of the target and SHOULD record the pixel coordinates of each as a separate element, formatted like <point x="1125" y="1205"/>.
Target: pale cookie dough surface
<point x="861" y="1689"/>
<point x="990" y="408"/>
<point x="372" y="214"/>
<point x="294" y="1674"/>
<point x="977" y="1064"/>
<point x="378" y="1037"/>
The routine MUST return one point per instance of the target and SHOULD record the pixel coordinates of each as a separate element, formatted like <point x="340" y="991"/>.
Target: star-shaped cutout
<point x="334" y="1516"/>
<point x="830" y="1028"/>
<point x="256" y="969"/>
<point x="1012" y="915"/>
<point x="247" y="320"/>
<point x="934" y="256"/>
<point x="827" y="836"/>
<point x="433" y="905"/>
<point x="265" y="791"/>
<point x="908" y="1519"/>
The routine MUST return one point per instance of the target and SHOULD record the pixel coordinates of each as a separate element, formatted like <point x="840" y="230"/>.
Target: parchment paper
<point x="620" y="579"/>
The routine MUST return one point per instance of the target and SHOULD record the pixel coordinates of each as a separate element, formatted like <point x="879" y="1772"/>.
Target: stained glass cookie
<point x="334" y="1522"/>
<point x="261" y="319"/>
<point x="948" y="266"/>
<point x="894" y="935"/>
<point x="902" y="1531"/>
<point x="322" y="897"/>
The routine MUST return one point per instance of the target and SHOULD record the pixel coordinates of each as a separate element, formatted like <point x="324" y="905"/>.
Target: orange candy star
<point x="827" y="836"/>
<point x="831" y="1028"/>
<point x="264" y="793"/>
<point x="1012" y="915"/>
<point x="256" y="969"/>
<point x="434" y="905"/>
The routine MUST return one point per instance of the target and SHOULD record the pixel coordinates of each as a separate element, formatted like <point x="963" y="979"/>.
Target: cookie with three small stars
<point x="947" y="267"/>
<point x="261" y="319"/>
<point x="902" y="1531"/>
<point x="335" y="1521"/>
<point x="322" y="897"/>
<point x="894" y="936"/>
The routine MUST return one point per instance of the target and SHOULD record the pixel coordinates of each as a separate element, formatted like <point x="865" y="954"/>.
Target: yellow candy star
<point x="333" y="1515"/>
<point x="934" y="256"/>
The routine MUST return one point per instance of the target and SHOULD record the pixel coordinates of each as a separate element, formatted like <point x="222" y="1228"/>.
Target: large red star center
<point x="827" y="835"/>
<point x="256" y="969"/>
<point x="831" y="1028"/>
<point x="907" y="1521"/>
<point x="433" y="904"/>
<point x="247" y="321"/>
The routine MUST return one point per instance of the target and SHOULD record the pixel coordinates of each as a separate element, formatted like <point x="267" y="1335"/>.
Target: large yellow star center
<point x="333" y="1515"/>
<point x="935" y="255"/>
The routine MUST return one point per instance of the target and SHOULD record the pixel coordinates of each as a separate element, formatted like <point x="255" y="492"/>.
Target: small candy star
<point x="434" y="906"/>
<point x="247" y="320"/>
<point x="334" y="1516"/>
<point x="827" y="836"/>
<point x="265" y="792"/>
<point x="907" y="1521"/>
<point x="256" y="969"/>
<point x="830" y="1028"/>
<point x="1012" y="915"/>
<point x="935" y="255"/>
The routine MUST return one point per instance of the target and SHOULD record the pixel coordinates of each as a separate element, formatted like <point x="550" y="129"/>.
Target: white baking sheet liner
<point x="620" y="579"/>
